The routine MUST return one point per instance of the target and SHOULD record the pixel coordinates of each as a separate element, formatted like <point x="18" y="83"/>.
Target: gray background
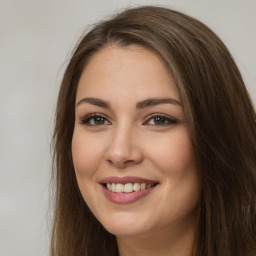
<point x="35" y="40"/>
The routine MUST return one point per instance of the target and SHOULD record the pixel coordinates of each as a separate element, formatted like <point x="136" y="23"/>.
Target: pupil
<point x="159" y="120"/>
<point x="99" y="120"/>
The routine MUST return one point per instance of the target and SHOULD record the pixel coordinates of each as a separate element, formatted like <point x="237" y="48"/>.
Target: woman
<point x="155" y="143"/>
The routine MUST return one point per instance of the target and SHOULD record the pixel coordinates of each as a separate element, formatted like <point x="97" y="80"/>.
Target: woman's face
<point x="131" y="148"/>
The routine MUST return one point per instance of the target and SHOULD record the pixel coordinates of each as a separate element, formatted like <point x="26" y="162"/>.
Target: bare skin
<point x="130" y="123"/>
<point x="180" y="244"/>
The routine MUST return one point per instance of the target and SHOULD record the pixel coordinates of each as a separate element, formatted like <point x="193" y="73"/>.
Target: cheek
<point x="86" y="160"/>
<point x="173" y="154"/>
<point x="86" y="155"/>
<point x="173" y="157"/>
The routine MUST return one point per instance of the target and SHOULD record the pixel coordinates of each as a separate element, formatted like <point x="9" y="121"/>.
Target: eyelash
<point x="92" y="117"/>
<point x="86" y="120"/>
<point x="170" y="120"/>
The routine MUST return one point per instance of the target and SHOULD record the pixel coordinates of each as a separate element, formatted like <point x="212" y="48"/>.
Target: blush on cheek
<point x="171" y="159"/>
<point x="86" y="156"/>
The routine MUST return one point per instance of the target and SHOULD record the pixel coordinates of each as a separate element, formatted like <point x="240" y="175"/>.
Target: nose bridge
<point x="123" y="150"/>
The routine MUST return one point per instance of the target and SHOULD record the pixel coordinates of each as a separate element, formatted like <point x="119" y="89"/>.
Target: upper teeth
<point x="128" y="187"/>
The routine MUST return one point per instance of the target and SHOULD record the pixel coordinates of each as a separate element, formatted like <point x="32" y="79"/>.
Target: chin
<point x="128" y="231"/>
<point x="126" y="225"/>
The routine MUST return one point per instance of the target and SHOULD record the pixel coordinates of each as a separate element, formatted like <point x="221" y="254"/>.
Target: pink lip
<point x="126" y="198"/>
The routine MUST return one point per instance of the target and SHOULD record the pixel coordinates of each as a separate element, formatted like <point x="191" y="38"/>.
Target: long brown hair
<point x="221" y="121"/>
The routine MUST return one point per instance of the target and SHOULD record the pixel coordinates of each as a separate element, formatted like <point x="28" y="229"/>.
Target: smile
<point x="125" y="190"/>
<point x="128" y="187"/>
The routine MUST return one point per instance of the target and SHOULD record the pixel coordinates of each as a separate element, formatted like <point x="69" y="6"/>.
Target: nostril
<point x="121" y="164"/>
<point x="123" y="152"/>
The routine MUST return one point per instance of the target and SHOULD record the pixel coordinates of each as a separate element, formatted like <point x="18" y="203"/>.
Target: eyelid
<point x="171" y="120"/>
<point x="83" y="120"/>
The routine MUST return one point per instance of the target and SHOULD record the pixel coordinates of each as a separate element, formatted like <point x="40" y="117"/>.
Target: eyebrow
<point x="140" y="105"/>
<point x="95" y="101"/>
<point x="157" y="101"/>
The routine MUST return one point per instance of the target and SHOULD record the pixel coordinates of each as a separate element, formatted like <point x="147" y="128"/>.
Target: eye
<point x="95" y="120"/>
<point x="160" y="120"/>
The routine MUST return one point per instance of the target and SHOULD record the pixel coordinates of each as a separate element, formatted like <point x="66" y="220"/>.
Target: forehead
<point x="125" y="71"/>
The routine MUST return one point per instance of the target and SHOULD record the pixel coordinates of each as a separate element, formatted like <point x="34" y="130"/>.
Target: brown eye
<point x="98" y="120"/>
<point x="159" y="120"/>
<point x="94" y="120"/>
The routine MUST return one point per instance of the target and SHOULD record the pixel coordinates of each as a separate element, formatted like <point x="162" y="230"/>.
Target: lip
<point x="127" y="179"/>
<point x="126" y="198"/>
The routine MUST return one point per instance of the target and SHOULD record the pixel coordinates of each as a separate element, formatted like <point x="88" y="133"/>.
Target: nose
<point x="123" y="148"/>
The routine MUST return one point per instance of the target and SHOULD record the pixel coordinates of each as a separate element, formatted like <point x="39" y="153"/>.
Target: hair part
<point x="221" y="121"/>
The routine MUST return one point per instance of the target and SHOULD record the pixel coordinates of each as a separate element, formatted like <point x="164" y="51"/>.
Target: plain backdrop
<point x="36" y="37"/>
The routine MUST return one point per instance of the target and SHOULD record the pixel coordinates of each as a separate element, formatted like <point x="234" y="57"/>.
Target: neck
<point x="164" y="242"/>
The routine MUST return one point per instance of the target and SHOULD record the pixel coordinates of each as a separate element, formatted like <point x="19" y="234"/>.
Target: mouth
<point x="128" y="187"/>
<point x="123" y="190"/>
